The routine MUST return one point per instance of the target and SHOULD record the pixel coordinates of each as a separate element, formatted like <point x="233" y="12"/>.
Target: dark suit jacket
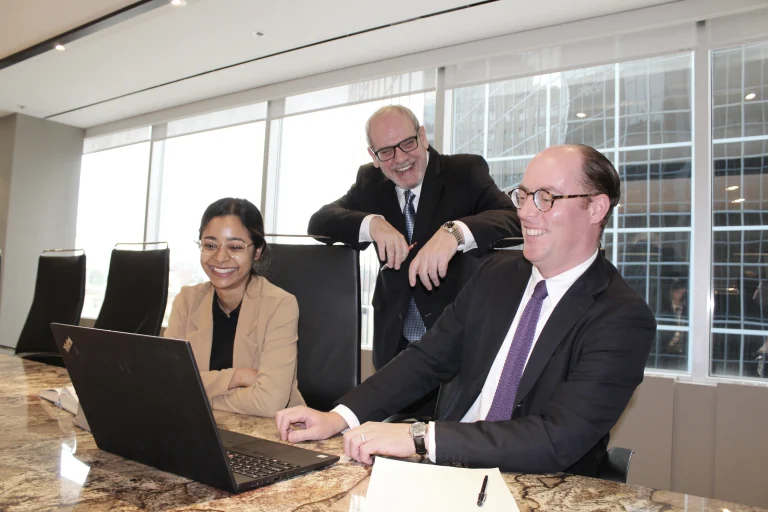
<point x="586" y="363"/>
<point x="455" y="187"/>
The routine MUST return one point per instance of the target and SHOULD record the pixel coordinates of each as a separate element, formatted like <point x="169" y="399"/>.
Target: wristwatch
<point x="418" y="432"/>
<point x="455" y="230"/>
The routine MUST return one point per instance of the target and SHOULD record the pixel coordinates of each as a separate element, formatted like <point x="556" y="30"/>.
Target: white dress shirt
<point x="557" y="286"/>
<point x="365" y="234"/>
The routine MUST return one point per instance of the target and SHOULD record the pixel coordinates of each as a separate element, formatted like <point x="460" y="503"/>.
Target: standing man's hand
<point x="431" y="264"/>
<point x="391" y="243"/>
<point x="312" y="425"/>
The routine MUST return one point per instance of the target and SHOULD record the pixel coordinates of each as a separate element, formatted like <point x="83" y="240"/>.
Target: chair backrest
<point x="615" y="465"/>
<point x="59" y="297"/>
<point x="137" y="292"/>
<point x="325" y="279"/>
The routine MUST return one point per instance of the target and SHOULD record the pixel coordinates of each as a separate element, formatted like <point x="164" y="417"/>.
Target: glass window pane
<point x="197" y="170"/>
<point x="740" y="186"/>
<point x="740" y="280"/>
<point x="110" y="209"/>
<point x="739" y="355"/>
<point x="740" y="91"/>
<point x="508" y="173"/>
<point x="583" y="104"/>
<point x="469" y="120"/>
<point x="740" y="211"/>
<point x="655" y="101"/>
<point x="655" y="188"/>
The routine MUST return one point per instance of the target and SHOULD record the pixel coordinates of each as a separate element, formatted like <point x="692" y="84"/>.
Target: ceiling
<point x="170" y="56"/>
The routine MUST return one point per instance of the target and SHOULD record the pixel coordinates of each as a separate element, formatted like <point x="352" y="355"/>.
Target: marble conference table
<point x="47" y="463"/>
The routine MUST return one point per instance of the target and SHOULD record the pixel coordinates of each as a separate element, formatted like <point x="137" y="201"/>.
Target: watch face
<point x="418" y="429"/>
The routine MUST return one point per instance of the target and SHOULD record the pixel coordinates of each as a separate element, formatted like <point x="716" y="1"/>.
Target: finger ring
<point x="363" y="438"/>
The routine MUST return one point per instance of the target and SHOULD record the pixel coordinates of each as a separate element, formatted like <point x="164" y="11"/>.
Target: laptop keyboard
<point x="257" y="466"/>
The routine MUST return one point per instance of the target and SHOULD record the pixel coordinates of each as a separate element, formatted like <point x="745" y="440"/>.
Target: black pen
<point x="481" y="497"/>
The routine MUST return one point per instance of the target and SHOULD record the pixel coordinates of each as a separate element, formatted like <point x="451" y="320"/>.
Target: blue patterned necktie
<point x="504" y="399"/>
<point x="413" y="329"/>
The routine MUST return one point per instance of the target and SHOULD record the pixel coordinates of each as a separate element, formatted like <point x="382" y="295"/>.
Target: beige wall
<point x="698" y="439"/>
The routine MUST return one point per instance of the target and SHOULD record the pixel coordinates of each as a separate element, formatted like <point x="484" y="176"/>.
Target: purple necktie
<point x="504" y="399"/>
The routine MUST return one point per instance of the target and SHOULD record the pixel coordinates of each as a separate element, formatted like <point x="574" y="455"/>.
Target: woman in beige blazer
<point x="242" y="328"/>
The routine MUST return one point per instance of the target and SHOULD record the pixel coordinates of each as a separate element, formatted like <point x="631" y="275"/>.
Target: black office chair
<point x="326" y="282"/>
<point x="137" y="290"/>
<point x="59" y="297"/>
<point x="615" y="465"/>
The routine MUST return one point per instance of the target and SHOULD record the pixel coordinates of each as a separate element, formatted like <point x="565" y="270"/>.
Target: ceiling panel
<point x="122" y="70"/>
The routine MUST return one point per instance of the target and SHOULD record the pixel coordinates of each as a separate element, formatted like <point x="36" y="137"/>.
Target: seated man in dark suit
<point x="420" y="208"/>
<point x="543" y="352"/>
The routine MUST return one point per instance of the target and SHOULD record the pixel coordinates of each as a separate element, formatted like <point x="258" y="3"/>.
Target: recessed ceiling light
<point x="60" y="47"/>
<point x="258" y="33"/>
<point x="750" y="96"/>
<point x="581" y="114"/>
<point x="733" y="187"/>
<point x="739" y="200"/>
<point x="178" y="3"/>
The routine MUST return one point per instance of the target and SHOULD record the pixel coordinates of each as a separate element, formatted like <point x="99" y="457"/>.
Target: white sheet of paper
<point x="399" y="485"/>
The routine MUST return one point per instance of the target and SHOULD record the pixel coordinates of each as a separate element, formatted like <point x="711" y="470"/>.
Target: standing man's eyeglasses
<point x="542" y="199"/>
<point x="405" y="145"/>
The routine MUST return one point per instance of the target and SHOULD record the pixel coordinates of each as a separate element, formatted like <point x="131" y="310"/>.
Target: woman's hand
<point x="243" y="378"/>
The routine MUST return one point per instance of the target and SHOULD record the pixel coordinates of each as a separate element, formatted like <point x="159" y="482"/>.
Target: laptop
<point x="144" y="400"/>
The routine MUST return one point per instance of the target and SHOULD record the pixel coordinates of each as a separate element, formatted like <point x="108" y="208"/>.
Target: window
<point x="740" y="211"/>
<point x="193" y="171"/>
<point x="639" y="115"/>
<point x="111" y="205"/>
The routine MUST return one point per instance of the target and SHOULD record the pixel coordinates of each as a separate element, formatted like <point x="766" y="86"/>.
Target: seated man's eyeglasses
<point x="234" y="248"/>
<point x="542" y="199"/>
<point x="405" y="145"/>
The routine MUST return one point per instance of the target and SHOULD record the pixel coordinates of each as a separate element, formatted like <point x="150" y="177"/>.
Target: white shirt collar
<point x="559" y="284"/>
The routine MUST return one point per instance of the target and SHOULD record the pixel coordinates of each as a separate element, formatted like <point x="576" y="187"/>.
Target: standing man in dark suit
<point x="419" y="207"/>
<point x="543" y="352"/>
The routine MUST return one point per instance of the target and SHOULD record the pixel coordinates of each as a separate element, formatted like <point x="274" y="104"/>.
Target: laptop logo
<point x="68" y="344"/>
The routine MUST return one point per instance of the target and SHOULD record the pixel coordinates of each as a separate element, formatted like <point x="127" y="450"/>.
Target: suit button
<point x="400" y="316"/>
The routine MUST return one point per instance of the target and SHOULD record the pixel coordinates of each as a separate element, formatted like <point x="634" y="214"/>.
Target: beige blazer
<point x="265" y="339"/>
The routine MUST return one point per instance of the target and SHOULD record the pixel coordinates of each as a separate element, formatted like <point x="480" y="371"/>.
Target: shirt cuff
<point x="431" y="448"/>
<point x="365" y="228"/>
<point x="469" y="239"/>
<point x="348" y="415"/>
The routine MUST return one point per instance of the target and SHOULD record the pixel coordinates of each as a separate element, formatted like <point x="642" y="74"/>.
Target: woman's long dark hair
<point x="252" y="221"/>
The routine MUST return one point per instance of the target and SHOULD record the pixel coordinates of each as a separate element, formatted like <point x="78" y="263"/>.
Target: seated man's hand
<point x="431" y="264"/>
<point x="372" y="438"/>
<point x="243" y="378"/>
<point x="391" y="243"/>
<point x="304" y="424"/>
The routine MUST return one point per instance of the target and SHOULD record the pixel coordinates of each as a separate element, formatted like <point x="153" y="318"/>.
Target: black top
<point x="224" y="328"/>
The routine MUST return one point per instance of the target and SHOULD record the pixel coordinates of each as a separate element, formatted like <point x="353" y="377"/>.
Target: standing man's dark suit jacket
<point x="583" y="369"/>
<point x="456" y="187"/>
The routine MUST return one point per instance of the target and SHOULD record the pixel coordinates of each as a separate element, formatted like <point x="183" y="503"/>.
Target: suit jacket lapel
<point x="431" y="192"/>
<point x="505" y="299"/>
<point x="201" y="337"/>
<point x="390" y="205"/>
<point x="571" y="307"/>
